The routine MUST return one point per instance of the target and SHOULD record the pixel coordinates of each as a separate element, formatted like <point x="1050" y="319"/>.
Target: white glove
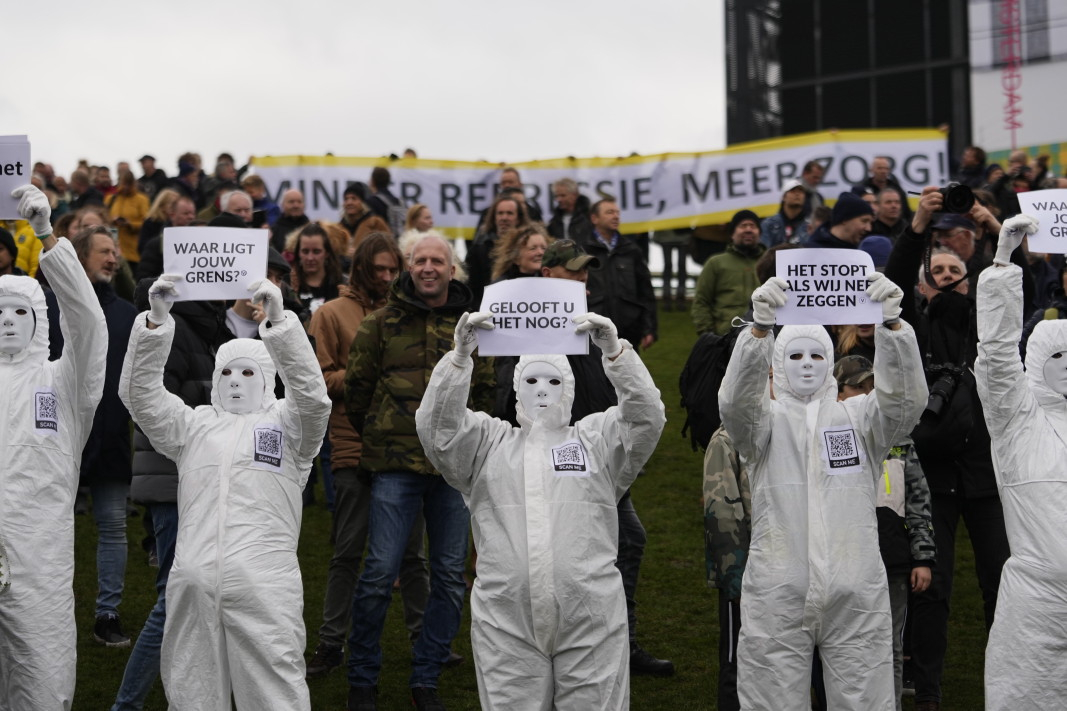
<point x="601" y="331"/>
<point x="1011" y="236"/>
<point x="765" y="302"/>
<point x="34" y="208"/>
<point x="889" y="294"/>
<point x="161" y="296"/>
<point x="466" y="340"/>
<point x="270" y="296"/>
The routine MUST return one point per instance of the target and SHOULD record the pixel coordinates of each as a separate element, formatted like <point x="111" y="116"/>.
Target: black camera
<point x="945" y="380"/>
<point x="956" y="198"/>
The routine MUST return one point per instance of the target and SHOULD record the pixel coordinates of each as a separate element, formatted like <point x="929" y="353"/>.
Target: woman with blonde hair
<point x="518" y="252"/>
<point x="156" y="219"/>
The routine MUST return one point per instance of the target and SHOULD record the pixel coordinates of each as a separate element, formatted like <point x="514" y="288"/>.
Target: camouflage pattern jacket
<point x="389" y="365"/>
<point x="727" y="515"/>
<point x="905" y="530"/>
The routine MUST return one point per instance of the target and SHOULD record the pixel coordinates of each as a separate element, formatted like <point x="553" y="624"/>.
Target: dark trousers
<point x="669" y="250"/>
<point x="632" y="540"/>
<point x="729" y="631"/>
<point x="984" y="519"/>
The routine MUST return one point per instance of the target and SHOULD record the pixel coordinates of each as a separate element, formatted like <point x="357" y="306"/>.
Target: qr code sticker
<point x="46" y="412"/>
<point x="841" y="448"/>
<point x="268" y="446"/>
<point x="569" y="457"/>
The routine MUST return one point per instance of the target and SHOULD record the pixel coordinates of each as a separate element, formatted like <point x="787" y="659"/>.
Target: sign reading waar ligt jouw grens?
<point x="826" y="287"/>
<point x="533" y="316"/>
<point x="215" y="263"/>
<point x="1050" y="209"/>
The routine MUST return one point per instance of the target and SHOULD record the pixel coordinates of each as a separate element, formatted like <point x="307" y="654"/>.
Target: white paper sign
<point x="534" y="315"/>
<point x="15" y="170"/>
<point x="215" y="262"/>
<point x="1050" y="209"/>
<point x="826" y="287"/>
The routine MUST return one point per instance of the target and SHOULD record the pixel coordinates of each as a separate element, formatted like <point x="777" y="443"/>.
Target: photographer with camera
<point x="951" y="439"/>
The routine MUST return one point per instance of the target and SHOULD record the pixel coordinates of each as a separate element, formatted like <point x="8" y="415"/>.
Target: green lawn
<point x="677" y="612"/>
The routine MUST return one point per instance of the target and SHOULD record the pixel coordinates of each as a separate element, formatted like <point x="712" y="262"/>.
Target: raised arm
<point x="456" y="440"/>
<point x="631" y="430"/>
<point x="306" y="407"/>
<point x="82" y="365"/>
<point x="744" y="396"/>
<point x="160" y="414"/>
<point x="1002" y="385"/>
<point x="900" y="392"/>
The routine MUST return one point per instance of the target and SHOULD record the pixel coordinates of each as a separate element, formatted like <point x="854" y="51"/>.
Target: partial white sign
<point x="15" y="170"/>
<point x="533" y="315"/>
<point x="215" y="263"/>
<point x="826" y="287"/>
<point x="1050" y="209"/>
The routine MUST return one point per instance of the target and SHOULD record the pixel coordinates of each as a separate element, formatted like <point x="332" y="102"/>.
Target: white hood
<point x="558" y="415"/>
<point x="782" y="389"/>
<point x="26" y="288"/>
<point x="244" y="348"/>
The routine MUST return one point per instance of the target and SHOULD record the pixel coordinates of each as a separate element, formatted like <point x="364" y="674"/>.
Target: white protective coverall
<point x="814" y="575"/>
<point x="548" y="615"/>
<point x="1026" y="656"/>
<point x="48" y="410"/>
<point x="234" y="598"/>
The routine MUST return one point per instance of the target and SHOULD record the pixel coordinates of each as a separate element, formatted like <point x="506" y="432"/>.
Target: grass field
<point x="677" y="613"/>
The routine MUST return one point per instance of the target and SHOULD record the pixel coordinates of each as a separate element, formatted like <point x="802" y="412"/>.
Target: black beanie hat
<point x="849" y="206"/>
<point x="8" y="243"/>
<point x="740" y="216"/>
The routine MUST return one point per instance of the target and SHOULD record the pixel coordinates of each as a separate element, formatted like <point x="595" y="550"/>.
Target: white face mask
<point x="540" y="387"/>
<point x="806" y="366"/>
<point x="241" y="386"/>
<point x="17" y="323"/>
<point x="1055" y="372"/>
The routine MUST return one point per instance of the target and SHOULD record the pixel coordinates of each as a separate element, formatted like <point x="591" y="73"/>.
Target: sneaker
<point x="363" y="698"/>
<point x="425" y="699"/>
<point x="454" y="660"/>
<point x="325" y="660"/>
<point x="644" y="664"/>
<point x="108" y="632"/>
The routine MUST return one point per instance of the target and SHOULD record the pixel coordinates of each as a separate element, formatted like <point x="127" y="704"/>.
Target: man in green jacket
<point x="727" y="281"/>
<point x="392" y="356"/>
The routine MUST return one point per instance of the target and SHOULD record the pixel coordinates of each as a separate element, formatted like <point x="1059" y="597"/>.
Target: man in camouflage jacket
<point x="727" y="531"/>
<point x="392" y="356"/>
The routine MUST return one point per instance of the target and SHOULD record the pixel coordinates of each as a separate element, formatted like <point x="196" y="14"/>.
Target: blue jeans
<point x="143" y="668"/>
<point x="109" y="512"/>
<point x="396" y="499"/>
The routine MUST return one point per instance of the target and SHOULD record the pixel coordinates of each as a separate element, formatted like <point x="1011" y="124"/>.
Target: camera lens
<point x="957" y="199"/>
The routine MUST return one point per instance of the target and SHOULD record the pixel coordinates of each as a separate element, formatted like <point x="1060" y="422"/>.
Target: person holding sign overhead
<point x="542" y="498"/>
<point x="49" y="406"/>
<point x="814" y="576"/>
<point x="234" y="596"/>
<point x="1025" y="664"/>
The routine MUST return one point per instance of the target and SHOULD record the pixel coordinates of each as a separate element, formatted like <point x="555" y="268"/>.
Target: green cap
<point x="567" y="253"/>
<point x="853" y="370"/>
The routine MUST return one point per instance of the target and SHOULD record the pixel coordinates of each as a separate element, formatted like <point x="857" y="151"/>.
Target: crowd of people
<point x="355" y="360"/>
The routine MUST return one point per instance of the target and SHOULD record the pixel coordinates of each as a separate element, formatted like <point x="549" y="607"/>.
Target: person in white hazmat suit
<point x="234" y="597"/>
<point x="48" y="410"/>
<point x="548" y="614"/>
<point x="1026" y="655"/>
<point x="815" y="575"/>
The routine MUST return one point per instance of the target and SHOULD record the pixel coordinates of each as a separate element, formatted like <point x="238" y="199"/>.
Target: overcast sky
<point x="466" y="80"/>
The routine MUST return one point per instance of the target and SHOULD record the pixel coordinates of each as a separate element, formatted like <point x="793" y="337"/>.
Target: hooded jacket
<point x="725" y="288"/>
<point x="392" y="356"/>
<point x="48" y="408"/>
<point x="814" y="575"/>
<point x="1025" y="664"/>
<point x="235" y="574"/>
<point x="543" y="502"/>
